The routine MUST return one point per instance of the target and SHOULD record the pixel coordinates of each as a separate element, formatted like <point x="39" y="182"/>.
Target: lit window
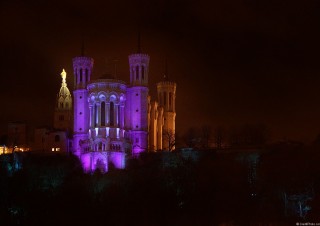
<point x="57" y="149"/>
<point x="52" y="149"/>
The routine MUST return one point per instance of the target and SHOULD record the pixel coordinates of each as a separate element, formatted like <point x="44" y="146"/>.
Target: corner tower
<point x="137" y="102"/>
<point x="82" y="67"/>
<point x="63" y="110"/>
<point x="167" y="99"/>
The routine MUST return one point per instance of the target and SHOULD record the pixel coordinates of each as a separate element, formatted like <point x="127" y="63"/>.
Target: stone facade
<point x="113" y="120"/>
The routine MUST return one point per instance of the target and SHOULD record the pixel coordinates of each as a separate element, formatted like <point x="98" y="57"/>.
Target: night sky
<point x="234" y="61"/>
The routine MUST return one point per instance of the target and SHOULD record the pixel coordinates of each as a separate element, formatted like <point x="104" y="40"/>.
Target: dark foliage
<point x="161" y="189"/>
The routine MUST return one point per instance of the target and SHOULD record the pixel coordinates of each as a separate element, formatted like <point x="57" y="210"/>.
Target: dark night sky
<point x="235" y="61"/>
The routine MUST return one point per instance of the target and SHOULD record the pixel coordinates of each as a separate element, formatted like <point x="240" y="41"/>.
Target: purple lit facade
<point x="111" y="118"/>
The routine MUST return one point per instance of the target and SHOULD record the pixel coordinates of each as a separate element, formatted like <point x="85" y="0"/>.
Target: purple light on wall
<point x="130" y="110"/>
<point x="101" y="160"/>
<point x="86" y="162"/>
<point x="137" y="150"/>
<point x="117" y="159"/>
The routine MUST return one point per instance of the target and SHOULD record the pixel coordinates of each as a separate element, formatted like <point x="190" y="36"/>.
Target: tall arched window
<point x="170" y="99"/>
<point x="164" y="98"/>
<point x="81" y="75"/>
<point x="142" y="72"/>
<point x="103" y="114"/>
<point x="95" y="115"/>
<point x="137" y="72"/>
<point x="87" y="75"/>
<point x="111" y="114"/>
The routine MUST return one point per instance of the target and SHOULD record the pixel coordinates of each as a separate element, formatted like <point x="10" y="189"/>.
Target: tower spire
<point x="63" y="110"/>
<point x="64" y="76"/>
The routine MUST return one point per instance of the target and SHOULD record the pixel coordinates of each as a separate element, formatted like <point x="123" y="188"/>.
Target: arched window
<point x="61" y="104"/>
<point x="111" y="114"/>
<point x="103" y="114"/>
<point x="95" y="115"/>
<point x="142" y="72"/>
<point x="137" y="72"/>
<point x="132" y="73"/>
<point x="87" y="75"/>
<point x="170" y="99"/>
<point x="164" y="98"/>
<point x="57" y="138"/>
<point x="81" y="75"/>
<point x="67" y="105"/>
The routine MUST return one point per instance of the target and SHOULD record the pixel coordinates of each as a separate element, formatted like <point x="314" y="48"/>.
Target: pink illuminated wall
<point x="93" y="161"/>
<point x="110" y="117"/>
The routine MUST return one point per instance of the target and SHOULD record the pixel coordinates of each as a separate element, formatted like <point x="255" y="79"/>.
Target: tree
<point x="189" y="138"/>
<point x="248" y="135"/>
<point x="206" y="135"/>
<point x="219" y="136"/>
<point x="169" y="139"/>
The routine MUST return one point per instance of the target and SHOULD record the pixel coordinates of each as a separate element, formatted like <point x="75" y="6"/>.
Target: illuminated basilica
<point x="114" y="120"/>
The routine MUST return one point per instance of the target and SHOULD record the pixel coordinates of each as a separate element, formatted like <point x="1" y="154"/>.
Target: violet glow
<point x="117" y="159"/>
<point x="110" y="117"/>
<point x="93" y="161"/>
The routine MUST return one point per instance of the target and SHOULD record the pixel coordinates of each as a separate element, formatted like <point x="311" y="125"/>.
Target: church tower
<point x="167" y="99"/>
<point x="82" y="67"/>
<point x="63" y="109"/>
<point x="137" y="101"/>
